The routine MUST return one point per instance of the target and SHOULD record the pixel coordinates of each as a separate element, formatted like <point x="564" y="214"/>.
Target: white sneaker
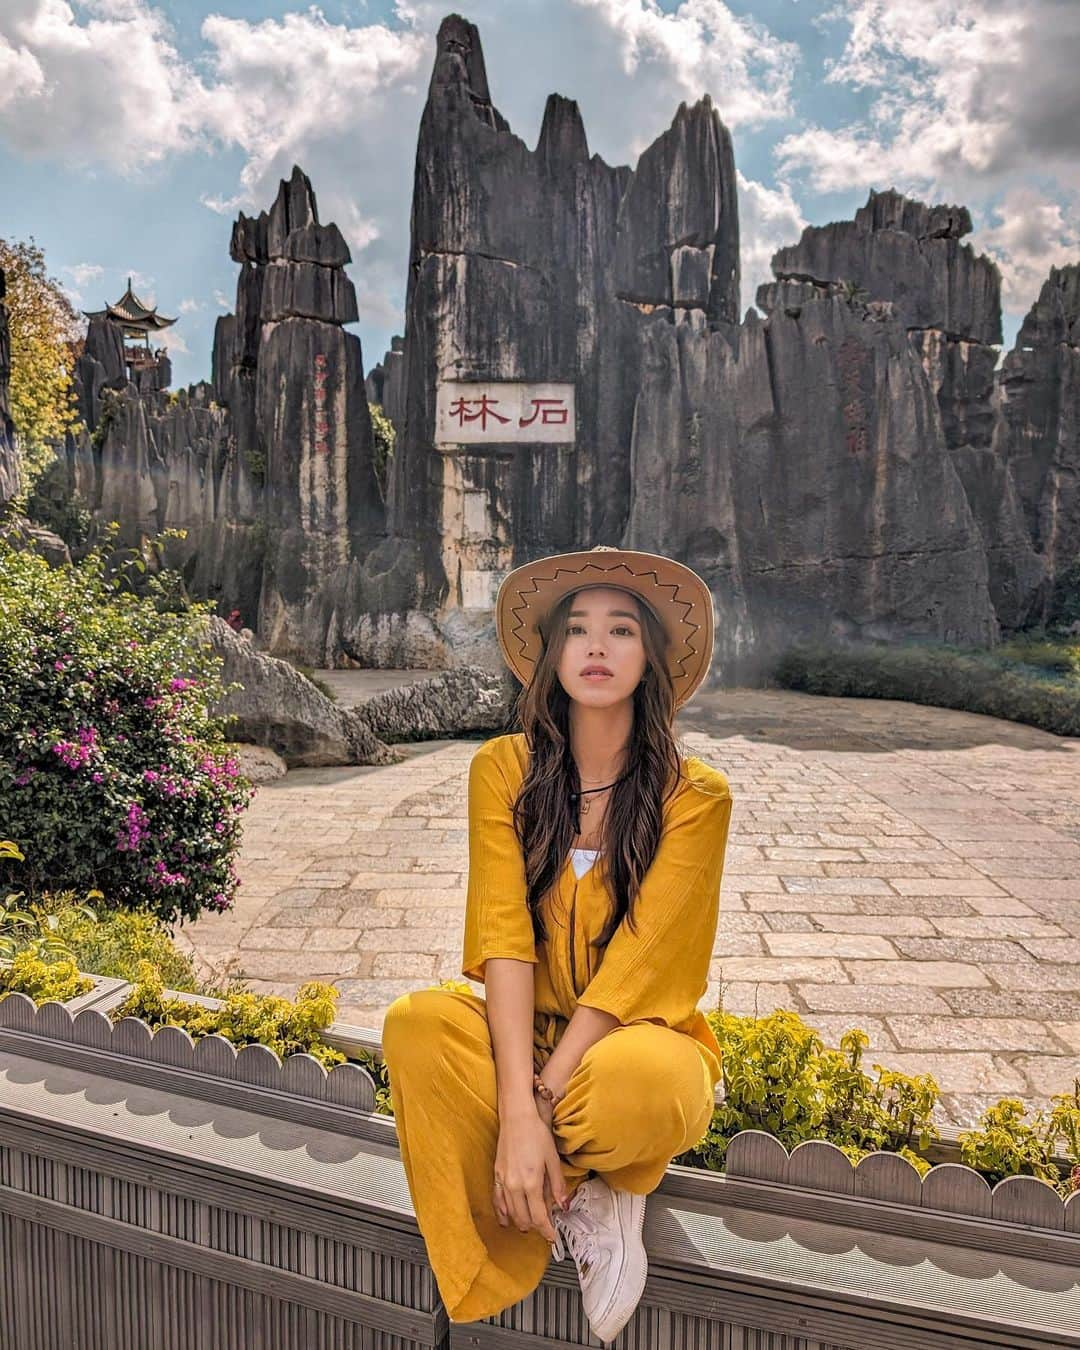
<point x="601" y="1229"/>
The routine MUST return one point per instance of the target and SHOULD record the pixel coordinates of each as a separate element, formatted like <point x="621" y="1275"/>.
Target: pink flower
<point x="134" y="830"/>
<point x="178" y="685"/>
<point x="97" y="777"/>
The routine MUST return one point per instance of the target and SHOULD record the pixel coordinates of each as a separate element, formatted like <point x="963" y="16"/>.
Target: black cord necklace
<point x="582" y="808"/>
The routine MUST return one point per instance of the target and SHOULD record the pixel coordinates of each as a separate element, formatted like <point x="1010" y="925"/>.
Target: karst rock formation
<point x="845" y="463"/>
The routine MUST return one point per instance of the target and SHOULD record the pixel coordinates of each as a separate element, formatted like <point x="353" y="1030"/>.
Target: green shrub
<point x="244" y="1018"/>
<point x="30" y="973"/>
<point x="116" y="943"/>
<point x="1045" y="655"/>
<point x="1065" y="602"/>
<point x="113" y="772"/>
<point x="383" y="438"/>
<point x="1008" y="1144"/>
<point x="779" y="1077"/>
<point x="28" y="925"/>
<point x="940" y="675"/>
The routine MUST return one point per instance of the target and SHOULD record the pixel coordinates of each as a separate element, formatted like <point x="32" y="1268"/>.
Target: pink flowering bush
<point x="114" y="773"/>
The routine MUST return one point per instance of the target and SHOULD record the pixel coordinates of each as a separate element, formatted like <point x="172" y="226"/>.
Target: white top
<point x="583" y="859"/>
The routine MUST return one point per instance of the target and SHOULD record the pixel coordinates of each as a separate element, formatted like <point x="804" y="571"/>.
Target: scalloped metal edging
<point x="107" y="991"/>
<point x="301" y="1075"/>
<point x="949" y="1188"/>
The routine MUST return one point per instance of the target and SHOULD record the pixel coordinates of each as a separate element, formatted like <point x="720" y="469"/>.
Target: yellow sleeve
<point x="660" y="973"/>
<point x="497" y="919"/>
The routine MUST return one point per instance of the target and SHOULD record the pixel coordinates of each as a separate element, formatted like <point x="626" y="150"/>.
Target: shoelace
<point x="575" y="1231"/>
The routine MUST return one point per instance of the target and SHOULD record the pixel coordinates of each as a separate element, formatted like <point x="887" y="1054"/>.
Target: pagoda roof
<point x="130" y="311"/>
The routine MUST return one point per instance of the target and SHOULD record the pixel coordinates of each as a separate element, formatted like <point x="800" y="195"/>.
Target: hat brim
<point x="674" y="592"/>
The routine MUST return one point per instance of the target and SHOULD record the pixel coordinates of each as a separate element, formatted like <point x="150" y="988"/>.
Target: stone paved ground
<point x="911" y="870"/>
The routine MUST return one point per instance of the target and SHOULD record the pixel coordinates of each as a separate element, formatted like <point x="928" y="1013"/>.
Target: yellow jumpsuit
<point x="639" y="1096"/>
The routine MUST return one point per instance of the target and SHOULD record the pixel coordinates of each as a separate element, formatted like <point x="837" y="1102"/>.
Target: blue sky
<point x="131" y="131"/>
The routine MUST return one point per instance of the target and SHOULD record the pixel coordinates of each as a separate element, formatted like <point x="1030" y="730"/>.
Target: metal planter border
<point x="879" y="1212"/>
<point x="106" y="992"/>
<point x="346" y="1094"/>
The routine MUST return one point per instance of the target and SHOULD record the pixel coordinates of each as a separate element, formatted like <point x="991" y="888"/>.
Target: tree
<point x="44" y="330"/>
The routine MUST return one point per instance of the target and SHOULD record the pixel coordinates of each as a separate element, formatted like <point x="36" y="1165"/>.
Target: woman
<point x="535" y="1121"/>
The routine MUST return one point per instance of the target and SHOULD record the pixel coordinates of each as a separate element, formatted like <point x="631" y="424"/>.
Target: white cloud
<point x="1032" y="234"/>
<point x="222" y="300"/>
<point x="173" y="341"/>
<point x="189" y="305"/>
<point x="965" y="93"/>
<point x="103" y="83"/>
<point x="82" y="273"/>
<point x="768" y="219"/>
<point x="701" y="46"/>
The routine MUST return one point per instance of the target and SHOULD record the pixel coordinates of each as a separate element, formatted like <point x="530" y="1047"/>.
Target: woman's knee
<point x="416" y="1023"/>
<point x="656" y="1076"/>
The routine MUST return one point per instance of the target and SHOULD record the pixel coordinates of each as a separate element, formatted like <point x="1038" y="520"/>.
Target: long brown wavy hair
<point x="544" y="816"/>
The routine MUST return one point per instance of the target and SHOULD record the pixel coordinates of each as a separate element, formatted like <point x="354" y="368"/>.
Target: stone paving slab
<point x="913" y="871"/>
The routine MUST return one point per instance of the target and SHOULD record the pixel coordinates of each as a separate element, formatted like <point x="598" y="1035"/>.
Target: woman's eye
<point x="620" y="628"/>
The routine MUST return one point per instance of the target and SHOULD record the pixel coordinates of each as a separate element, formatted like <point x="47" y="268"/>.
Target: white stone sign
<point x="500" y="411"/>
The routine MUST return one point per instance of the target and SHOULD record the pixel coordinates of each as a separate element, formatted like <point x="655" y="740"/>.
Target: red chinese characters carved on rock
<point x="551" y="412"/>
<point x="321" y="424"/>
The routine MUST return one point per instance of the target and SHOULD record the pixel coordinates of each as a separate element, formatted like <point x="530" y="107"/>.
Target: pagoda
<point x="136" y="322"/>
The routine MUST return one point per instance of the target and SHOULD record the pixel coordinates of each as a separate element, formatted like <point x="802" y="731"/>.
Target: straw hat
<point x="674" y="592"/>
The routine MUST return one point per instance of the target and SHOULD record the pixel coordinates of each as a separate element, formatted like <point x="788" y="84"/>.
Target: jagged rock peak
<point x="678" y="228"/>
<point x="891" y="210"/>
<point x="901" y="250"/>
<point x="294" y="208"/>
<point x="459" y="61"/>
<point x="562" y="142"/>
<point x="290" y="230"/>
<point x="1055" y="315"/>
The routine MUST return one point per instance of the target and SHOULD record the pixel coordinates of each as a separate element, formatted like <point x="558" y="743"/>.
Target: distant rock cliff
<point x="269" y="467"/>
<point x="844" y="463"/>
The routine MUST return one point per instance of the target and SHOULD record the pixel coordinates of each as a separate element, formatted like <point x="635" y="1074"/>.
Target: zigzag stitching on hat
<point x="672" y="586"/>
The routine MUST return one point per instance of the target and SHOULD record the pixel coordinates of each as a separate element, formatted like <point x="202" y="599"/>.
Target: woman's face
<point x="603" y="630"/>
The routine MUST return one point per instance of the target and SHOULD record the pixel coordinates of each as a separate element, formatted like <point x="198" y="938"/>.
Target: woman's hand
<point x="528" y="1165"/>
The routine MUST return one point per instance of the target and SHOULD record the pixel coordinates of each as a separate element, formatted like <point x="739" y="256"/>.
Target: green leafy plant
<point x="1065" y="601"/>
<point x="383" y="438"/>
<point x="22" y="926"/>
<point x="244" y="1018"/>
<point x="31" y="973"/>
<point x="115" y="943"/>
<point x="44" y="335"/>
<point x="1008" y="1143"/>
<point x="113" y="769"/>
<point x="779" y="1077"/>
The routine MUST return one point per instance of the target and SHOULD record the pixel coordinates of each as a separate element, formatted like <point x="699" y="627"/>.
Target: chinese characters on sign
<point x="497" y="412"/>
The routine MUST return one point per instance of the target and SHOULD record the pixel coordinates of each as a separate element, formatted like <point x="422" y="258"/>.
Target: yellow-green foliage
<point x="42" y="980"/>
<point x="779" y="1077"/>
<point x="1009" y="1144"/>
<point x="118" y="941"/>
<point x="244" y="1018"/>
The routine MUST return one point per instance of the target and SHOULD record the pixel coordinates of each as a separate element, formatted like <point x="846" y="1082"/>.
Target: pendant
<point x="585" y="808"/>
